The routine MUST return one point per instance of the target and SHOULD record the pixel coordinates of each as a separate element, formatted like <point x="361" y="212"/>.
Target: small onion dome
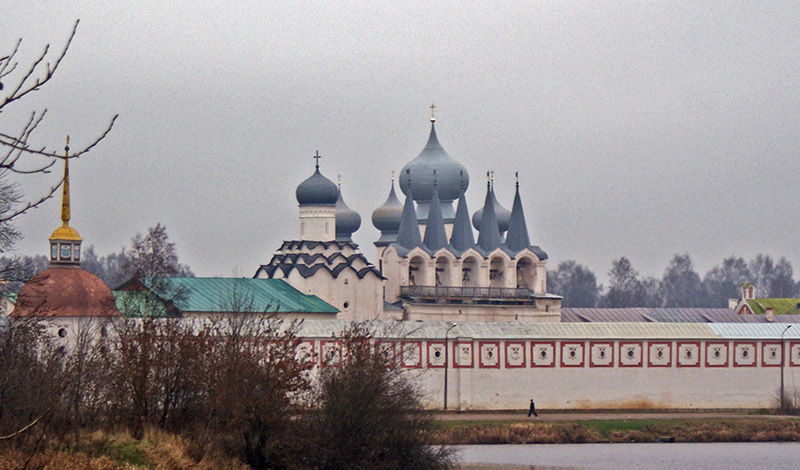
<point x="386" y="218"/>
<point x="451" y="176"/>
<point x="65" y="292"/>
<point x="501" y="213"/>
<point x="347" y="220"/>
<point x="317" y="190"/>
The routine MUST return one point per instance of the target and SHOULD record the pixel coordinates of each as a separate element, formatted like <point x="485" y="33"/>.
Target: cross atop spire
<point x="516" y="175"/>
<point x="316" y="157"/>
<point x="339" y="177"/>
<point x="433" y="118"/>
<point x="392" y="176"/>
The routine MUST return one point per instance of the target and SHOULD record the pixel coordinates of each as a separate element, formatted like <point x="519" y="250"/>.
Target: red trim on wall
<point x="726" y="345"/>
<point x="521" y="344"/>
<point x="755" y="353"/>
<point x="428" y="351"/>
<point x="480" y="355"/>
<point x="391" y="344"/>
<point x="552" y="345"/>
<point x="456" y="365"/>
<point x="403" y="347"/>
<point x="641" y="353"/>
<point x="601" y="343"/>
<point x="792" y="362"/>
<point x="678" y="352"/>
<point x="764" y="345"/>
<point x="572" y="343"/>
<point x="322" y="361"/>
<point x="667" y="345"/>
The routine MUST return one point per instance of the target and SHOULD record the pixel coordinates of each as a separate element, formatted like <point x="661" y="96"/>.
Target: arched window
<point x="469" y="272"/>
<point x="443" y="269"/>
<point x="526" y="274"/>
<point x="497" y="274"/>
<point x="416" y="272"/>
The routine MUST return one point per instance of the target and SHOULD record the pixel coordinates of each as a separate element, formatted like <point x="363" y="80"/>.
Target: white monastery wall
<point x="582" y="373"/>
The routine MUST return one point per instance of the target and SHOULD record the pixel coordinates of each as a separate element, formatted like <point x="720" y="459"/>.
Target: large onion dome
<point x="451" y="177"/>
<point x="347" y="220"/>
<point x="65" y="292"/>
<point x="317" y="190"/>
<point x="501" y="213"/>
<point x="386" y="218"/>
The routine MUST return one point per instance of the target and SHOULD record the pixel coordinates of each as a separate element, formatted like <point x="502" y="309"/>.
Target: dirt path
<point x="600" y="415"/>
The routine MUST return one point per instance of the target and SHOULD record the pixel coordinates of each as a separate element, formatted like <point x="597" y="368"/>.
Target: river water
<point x="723" y="456"/>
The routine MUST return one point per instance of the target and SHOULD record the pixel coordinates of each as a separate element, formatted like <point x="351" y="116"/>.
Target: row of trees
<point x="149" y="255"/>
<point x="679" y="286"/>
<point x="231" y="387"/>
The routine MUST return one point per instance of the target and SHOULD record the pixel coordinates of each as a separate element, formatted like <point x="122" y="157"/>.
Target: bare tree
<point x="20" y="154"/>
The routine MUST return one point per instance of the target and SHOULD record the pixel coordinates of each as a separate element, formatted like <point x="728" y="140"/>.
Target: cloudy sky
<point x="639" y="128"/>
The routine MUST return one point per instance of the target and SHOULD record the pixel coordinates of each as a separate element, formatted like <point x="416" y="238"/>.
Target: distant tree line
<point x="149" y="255"/>
<point x="679" y="286"/>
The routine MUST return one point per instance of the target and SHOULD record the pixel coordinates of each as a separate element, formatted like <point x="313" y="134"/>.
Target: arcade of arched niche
<point x="498" y="271"/>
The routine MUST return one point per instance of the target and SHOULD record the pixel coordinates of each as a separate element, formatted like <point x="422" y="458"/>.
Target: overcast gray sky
<point x="638" y="128"/>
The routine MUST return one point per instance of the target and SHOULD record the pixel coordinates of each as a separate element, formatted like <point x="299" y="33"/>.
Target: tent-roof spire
<point x="517" y="238"/>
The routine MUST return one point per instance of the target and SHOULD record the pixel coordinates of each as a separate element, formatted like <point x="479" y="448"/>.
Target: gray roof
<point x="489" y="234"/>
<point x="462" y="237"/>
<point x="435" y="235"/>
<point x="317" y="190"/>
<point x="517" y="237"/>
<point x="449" y="173"/>
<point x="408" y="233"/>
<point x="666" y="315"/>
<point x="558" y="331"/>
<point x="386" y="218"/>
<point x="347" y="220"/>
<point x="501" y="214"/>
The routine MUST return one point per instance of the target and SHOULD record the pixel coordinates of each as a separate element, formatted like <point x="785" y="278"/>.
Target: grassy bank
<point x="116" y="451"/>
<point x="631" y="430"/>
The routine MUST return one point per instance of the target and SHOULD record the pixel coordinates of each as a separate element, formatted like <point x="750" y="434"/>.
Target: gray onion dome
<point x="317" y="190"/>
<point x="450" y="174"/>
<point x="386" y="218"/>
<point x="502" y="214"/>
<point x="347" y="220"/>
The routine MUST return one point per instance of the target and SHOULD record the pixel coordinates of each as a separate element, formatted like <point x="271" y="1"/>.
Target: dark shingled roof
<point x="517" y="237"/>
<point x="435" y="235"/>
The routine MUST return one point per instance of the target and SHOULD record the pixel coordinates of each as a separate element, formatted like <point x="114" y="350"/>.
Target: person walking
<point x="532" y="410"/>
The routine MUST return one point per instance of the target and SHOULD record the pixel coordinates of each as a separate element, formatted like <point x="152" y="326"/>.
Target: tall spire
<point x="462" y="237"/>
<point x="408" y="233"/>
<point x="517" y="238"/>
<point x="65" y="243"/>
<point x="65" y="214"/>
<point x="435" y="234"/>
<point x="489" y="233"/>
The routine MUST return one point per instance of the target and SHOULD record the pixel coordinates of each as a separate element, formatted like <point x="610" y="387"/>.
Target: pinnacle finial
<point x="433" y="117"/>
<point x="516" y="175"/>
<point x="339" y="178"/>
<point x="65" y="212"/>
<point x="316" y="157"/>
<point x="392" y="176"/>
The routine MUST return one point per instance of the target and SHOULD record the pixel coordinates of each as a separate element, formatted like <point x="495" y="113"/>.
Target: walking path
<point x="570" y="415"/>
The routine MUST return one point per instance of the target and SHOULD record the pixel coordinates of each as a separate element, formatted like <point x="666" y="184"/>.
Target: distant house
<point x="752" y="305"/>
<point x="208" y="297"/>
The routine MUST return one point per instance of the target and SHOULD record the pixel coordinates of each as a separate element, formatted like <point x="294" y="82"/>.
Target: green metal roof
<point x="220" y="295"/>
<point x="779" y="306"/>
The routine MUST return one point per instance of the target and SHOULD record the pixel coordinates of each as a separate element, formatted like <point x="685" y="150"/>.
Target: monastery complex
<point x="460" y="300"/>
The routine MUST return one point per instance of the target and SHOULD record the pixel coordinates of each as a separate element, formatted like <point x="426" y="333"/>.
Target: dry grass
<point x="681" y="430"/>
<point x="157" y="450"/>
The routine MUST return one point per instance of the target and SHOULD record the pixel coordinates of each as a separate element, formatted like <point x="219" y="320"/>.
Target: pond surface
<point x="723" y="456"/>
